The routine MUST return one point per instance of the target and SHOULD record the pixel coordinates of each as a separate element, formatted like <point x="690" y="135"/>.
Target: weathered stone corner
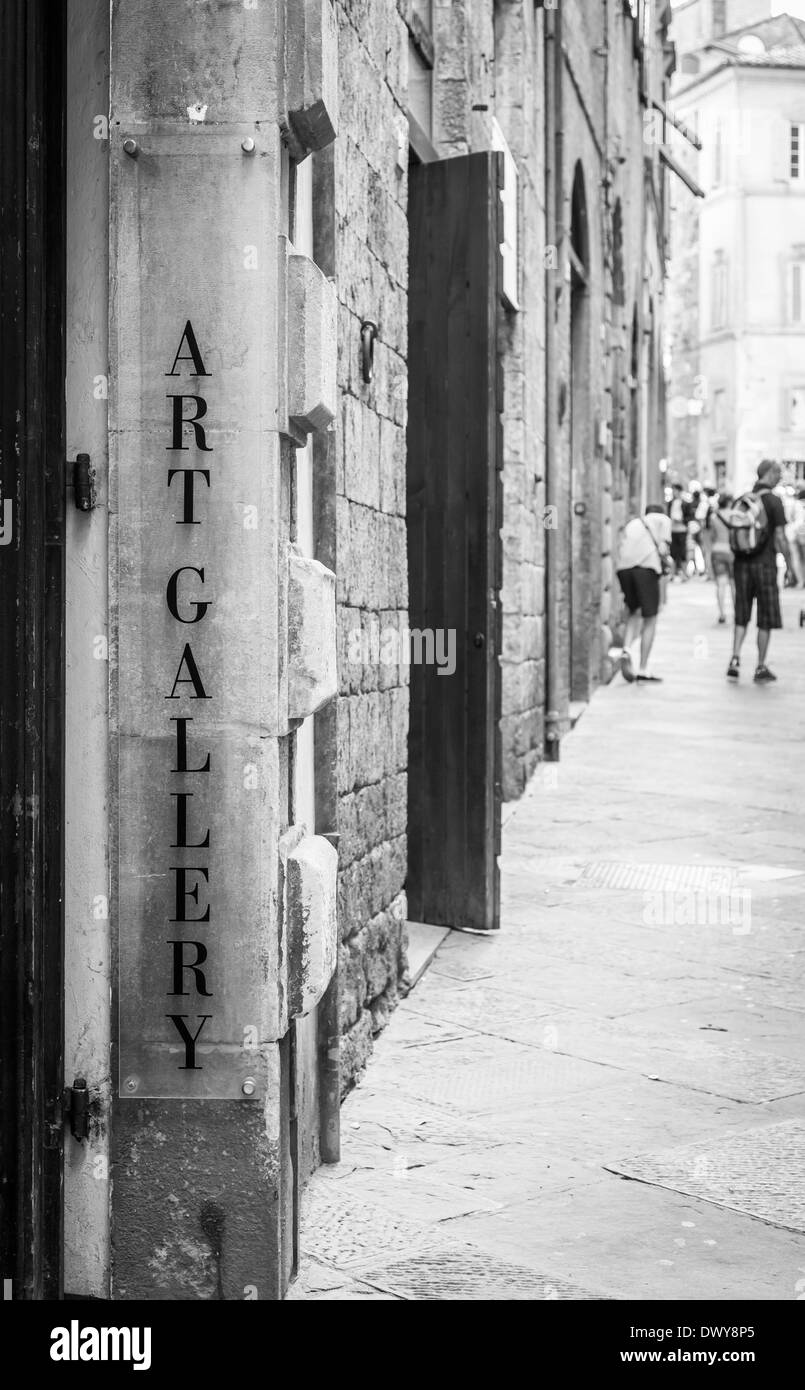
<point x="312" y="655"/>
<point x="312" y="347"/>
<point x="311" y="870"/>
<point x="311" y="41"/>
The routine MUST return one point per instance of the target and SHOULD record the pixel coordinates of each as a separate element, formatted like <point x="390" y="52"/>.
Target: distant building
<point x="736" y="314"/>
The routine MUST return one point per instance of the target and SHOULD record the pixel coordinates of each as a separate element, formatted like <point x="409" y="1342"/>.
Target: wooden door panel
<point x="454" y="519"/>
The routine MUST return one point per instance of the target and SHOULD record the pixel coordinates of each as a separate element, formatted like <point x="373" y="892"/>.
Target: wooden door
<point x="454" y="519"/>
<point x="32" y="48"/>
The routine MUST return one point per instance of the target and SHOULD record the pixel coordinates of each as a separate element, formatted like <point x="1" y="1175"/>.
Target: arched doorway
<point x="584" y="496"/>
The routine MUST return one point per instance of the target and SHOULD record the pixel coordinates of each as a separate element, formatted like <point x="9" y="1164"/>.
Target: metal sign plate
<point x="195" y="507"/>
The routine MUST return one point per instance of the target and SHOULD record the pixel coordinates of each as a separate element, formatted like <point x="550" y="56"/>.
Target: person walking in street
<point x="757" y="534"/>
<point x="722" y="560"/>
<point x="796" y="536"/>
<point x="708" y="501"/>
<point x="679" y="511"/>
<point x="642" y="561"/>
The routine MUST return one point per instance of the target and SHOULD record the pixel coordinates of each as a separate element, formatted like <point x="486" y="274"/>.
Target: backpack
<point x="748" y="523"/>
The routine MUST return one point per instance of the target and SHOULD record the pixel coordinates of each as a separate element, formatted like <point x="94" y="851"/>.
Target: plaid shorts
<point x="757" y="579"/>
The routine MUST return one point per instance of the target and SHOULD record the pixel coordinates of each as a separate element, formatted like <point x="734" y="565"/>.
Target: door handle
<point x="479" y="639"/>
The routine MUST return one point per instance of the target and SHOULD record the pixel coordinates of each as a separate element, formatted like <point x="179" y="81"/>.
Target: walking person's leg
<point x="649" y="586"/>
<point x="631" y="597"/>
<point x="647" y="642"/>
<point x="706" y="544"/>
<point x="769" y="617"/>
<point x="744" y="598"/>
<point x="721" y="573"/>
<point x="697" y="548"/>
<point x="679" y="553"/>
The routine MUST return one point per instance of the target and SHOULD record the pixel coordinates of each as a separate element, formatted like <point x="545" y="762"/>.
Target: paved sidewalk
<point x="607" y="1099"/>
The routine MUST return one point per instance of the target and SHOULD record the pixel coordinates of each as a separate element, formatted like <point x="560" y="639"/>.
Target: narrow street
<point x="607" y="1099"/>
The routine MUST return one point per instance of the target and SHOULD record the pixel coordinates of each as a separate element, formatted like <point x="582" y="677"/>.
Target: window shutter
<point x="780" y="137"/>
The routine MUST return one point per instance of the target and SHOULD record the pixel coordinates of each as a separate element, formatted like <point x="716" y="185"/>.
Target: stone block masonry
<point x="371" y="279"/>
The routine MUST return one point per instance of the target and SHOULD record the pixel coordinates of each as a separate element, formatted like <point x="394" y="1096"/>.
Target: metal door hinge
<point x="75" y="1104"/>
<point x="83" y="483"/>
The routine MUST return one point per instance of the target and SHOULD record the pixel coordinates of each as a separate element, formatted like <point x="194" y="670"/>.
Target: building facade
<point x="356" y="313"/>
<point x="737" y="338"/>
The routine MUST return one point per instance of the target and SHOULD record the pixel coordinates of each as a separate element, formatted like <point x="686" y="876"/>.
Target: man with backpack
<point x="756" y="525"/>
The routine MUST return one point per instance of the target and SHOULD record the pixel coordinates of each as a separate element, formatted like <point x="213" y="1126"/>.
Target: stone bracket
<point x="311" y="871"/>
<point x="312" y="347"/>
<point x="312" y="650"/>
<point x="311" y="45"/>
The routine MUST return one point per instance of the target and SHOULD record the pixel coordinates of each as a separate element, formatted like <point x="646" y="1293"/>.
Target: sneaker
<point x="734" y="668"/>
<point x="627" y="669"/>
<point x="763" y="676"/>
<point x="644" y="676"/>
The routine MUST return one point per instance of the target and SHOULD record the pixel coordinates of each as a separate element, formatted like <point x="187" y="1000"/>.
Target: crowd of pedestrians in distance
<point x="697" y="536"/>
<point x="739" y="543"/>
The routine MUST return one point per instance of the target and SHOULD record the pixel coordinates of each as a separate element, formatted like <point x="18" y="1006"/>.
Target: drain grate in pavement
<point x="758" y="1172"/>
<point x="464" y="1275"/>
<point x="707" y="878"/>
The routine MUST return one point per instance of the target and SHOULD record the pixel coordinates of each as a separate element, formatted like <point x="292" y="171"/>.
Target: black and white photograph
<point x="402" y="669"/>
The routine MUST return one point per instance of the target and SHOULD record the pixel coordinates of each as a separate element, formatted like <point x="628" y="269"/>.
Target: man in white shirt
<point x="644" y="545"/>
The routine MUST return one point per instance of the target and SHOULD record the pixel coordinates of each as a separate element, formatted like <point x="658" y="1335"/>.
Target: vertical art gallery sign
<point x="194" y="491"/>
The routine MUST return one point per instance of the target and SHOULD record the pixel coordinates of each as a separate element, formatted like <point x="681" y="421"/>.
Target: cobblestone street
<point x="606" y="1099"/>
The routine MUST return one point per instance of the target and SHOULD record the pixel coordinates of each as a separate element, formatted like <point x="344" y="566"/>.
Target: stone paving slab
<point x="643" y="1242"/>
<point x="554" y="1111"/>
<point x="524" y="1076"/>
<point x="759" y="1172"/>
<point x="345" y="1230"/>
<point x="699" y="1059"/>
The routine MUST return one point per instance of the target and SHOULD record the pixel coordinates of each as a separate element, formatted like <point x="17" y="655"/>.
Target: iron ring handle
<point x="368" y="335"/>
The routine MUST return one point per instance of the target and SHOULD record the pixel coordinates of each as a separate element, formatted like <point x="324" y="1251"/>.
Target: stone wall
<point x="489" y="64"/>
<point x="488" y="70"/>
<point x="519" y="107"/>
<point x="371" y="279"/>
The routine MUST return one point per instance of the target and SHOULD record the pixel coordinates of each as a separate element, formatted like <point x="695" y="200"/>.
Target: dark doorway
<point x="634" y="417"/>
<point x="454" y="546"/>
<point x="584" y="491"/>
<point x="32" y="102"/>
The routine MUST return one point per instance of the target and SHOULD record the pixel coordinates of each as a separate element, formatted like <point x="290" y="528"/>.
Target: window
<point x="720" y="467"/>
<point x="796" y="408"/>
<point x="797" y="153"/>
<point x="796" y="291"/>
<point x="718" y="314"/>
<point x="719" y="413"/>
<point x="719" y="18"/>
